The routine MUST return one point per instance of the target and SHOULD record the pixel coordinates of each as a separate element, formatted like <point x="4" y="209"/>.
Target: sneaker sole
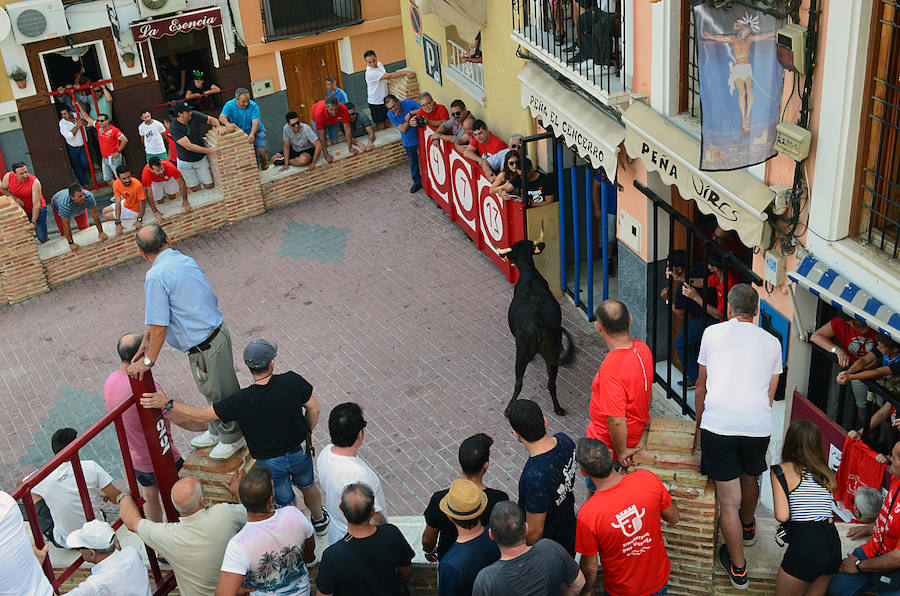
<point x="737" y="586"/>
<point x="750" y="542"/>
<point x="322" y="532"/>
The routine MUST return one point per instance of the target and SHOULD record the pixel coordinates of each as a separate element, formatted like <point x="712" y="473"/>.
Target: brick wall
<point x="24" y="273"/>
<point x="404" y="88"/>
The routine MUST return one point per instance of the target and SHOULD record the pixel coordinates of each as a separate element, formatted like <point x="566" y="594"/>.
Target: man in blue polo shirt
<point x="400" y="113"/>
<point x="75" y="203"/>
<point x="244" y="113"/>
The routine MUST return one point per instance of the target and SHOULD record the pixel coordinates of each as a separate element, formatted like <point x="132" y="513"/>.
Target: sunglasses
<point x="102" y="120"/>
<point x="513" y="164"/>
<point x="456" y="113"/>
<point x="295" y="124"/>
<point x="514" y="147"/>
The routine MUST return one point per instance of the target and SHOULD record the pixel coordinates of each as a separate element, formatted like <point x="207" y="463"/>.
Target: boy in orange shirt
<point x="130" y="202"/>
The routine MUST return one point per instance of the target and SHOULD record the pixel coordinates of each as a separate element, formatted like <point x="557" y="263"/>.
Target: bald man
<point x="195" y="545"/>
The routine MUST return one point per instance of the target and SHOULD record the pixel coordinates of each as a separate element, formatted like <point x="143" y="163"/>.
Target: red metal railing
<point x="158" y="442"/>
<point x="174" y="101"/>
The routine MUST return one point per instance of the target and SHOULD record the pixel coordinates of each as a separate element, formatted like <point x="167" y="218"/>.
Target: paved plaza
<point x="371" y="294"/>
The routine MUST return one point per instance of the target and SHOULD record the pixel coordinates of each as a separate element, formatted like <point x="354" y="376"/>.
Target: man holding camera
<point x="402" y="115"/>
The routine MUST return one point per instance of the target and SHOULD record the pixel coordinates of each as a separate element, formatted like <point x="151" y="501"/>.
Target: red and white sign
<point x="189" y="21"/>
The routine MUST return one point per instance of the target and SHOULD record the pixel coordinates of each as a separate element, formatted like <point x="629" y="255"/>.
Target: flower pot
<point x="21" y="84"/>
<point x="129" y="63"/>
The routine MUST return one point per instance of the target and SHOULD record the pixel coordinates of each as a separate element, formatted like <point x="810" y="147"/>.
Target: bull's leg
<point x="521" y="364"/>
<point x="552" y="369"/>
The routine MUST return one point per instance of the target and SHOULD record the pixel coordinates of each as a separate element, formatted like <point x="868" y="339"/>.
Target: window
<point x="876" y="212"/>
<point x="292" y="18"/>
<point x="689" y="96"/>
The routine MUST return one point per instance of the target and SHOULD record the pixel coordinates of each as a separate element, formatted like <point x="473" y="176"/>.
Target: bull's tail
<point x="567" y="354"/>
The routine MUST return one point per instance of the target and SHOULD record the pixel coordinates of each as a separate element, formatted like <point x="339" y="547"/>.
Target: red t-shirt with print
<point x="494" y="145"/>
<point x="319" y="114"/>
<point x="108" y="139"/>
<point x="439" y="113"/>
<point x="621" y="388"/>
<point x="169" y="172"/>
<point x="855" y="343"/>
<point x="713" y="281"/>
<point x="623" y="525"/>
<point x="887" y="525"/>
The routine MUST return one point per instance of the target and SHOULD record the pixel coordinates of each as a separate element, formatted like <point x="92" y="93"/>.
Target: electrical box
<point x="9" y="122"/>
<point x="630" y="231"/>
<point x="262" y="88"/>
<point x="791" y="48"/>
<point x="792" y="140"/>
<point x="774" y="268"/>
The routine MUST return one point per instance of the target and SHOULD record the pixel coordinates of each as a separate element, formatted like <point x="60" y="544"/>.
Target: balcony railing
<point x="546" y="31"/>
<point x="470" y="71"/>
<point x="293" y="18"/>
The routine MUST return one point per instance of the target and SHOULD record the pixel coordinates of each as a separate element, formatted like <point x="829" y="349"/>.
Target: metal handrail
<point x="471" y="71"/>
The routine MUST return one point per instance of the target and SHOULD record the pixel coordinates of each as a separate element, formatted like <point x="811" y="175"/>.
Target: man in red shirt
<point x="849" y="340"/>
<point x="112" y="143"/>
<point x="483" y="144"/>
<point x="25" y="189"/>
<point x="434" y="113"/>
<point x="161" y="179"/>
<point x="719" y="274"/>
<point x="878" y="559"/>
<point x="620" y="393"/>
<point x="325" y="113"/>
<point x="621" y="522"/>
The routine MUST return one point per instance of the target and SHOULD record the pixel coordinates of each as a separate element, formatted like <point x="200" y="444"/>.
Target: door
<point x="305" y="70"/>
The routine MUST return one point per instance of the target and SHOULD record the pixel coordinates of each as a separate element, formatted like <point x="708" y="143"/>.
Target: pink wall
<point x="643" y="43"/>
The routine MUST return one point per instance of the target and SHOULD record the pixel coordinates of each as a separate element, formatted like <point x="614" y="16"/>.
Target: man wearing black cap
<point x="473" y="550"/>
<point x="187" y="130"/>
<point x="276" y="413"/>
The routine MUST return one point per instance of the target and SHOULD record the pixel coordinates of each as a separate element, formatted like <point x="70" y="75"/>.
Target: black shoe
<point x="739" y="578"/>
<point x="575" y="58"/>
<point x="415" y="188"/>
<point x="572" y="47"/>
<point x="278" y="161"/>
<point x="749" y="533"/>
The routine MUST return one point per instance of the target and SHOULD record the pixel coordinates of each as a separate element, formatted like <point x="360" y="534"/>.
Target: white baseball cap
<point x="95" y="535"/>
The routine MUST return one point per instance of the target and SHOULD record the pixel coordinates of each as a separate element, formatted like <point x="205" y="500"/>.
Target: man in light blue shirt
<point x="399" y="113"/>
<point x="244" y="113"/>
<point x="75" y="203"/>
<point x="182" y="309"/>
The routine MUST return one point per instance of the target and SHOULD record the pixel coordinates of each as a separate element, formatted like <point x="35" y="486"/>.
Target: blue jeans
<point x="412" y="154"/>
<point x="843" y="584"/>
<point x="332" y="131"/>
<point x="686" y="345"/>
<point x="40" y="226"/>
<point x="293" y="468"/>
<point x="78" y="157"/>
<point x="663" y="592"/>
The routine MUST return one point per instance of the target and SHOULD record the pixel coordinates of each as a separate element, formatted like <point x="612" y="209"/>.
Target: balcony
<point x="544" y="32"/>
<point x="469" y="76"/>
<point x="293" y="18"/>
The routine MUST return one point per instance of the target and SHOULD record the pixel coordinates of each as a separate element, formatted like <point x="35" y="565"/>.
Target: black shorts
<point x="726" y="457"/>
<point x="379" y="113"/>
<point x="149" y="478"/>
<point x="311" y="151"/>
<point x="814" y="550"/>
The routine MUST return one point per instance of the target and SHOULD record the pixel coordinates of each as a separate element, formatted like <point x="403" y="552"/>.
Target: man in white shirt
<point x="153" y="136"/>
<point x="195" y="545"/>
<point x="115" y="571"/>
<point x="339" y="466"/>
<point x="740" y="364"/>
<point x="20" y="562"/>
<point x="71" y="130"/>
<point x="60" y="492"/>
<point x="269" y="555"/>
<point x="377" y="78"/>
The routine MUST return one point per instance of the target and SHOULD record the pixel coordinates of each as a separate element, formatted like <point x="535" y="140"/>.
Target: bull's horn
<point x="541" y="237"/>
<point x="504" y="251"/>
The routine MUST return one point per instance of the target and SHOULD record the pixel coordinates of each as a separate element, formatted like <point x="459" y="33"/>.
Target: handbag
<point x="784" y="530"/>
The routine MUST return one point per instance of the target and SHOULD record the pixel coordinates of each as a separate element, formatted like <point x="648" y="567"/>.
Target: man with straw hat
<point x="473" y="550"/>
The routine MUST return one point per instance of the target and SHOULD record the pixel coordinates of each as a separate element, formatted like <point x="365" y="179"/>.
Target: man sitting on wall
<point x="301" y="145"/>
<point x="361" y="124"/>
<point x="75" y="203"/>
<point x="244" y="113"/>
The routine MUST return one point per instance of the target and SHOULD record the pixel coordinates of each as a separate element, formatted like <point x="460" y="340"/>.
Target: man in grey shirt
<point x="361" y="124"/>
<point x="542" y="569"/>
<point x="495" y="161"/>
<point x="301" y="145"/>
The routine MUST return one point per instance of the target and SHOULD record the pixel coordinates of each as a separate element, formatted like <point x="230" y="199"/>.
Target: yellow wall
<point x="504" y="113"/>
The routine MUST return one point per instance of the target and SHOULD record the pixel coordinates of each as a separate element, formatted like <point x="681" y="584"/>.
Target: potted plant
<point x="128" y="57"/>
<point x="19" y="76"/>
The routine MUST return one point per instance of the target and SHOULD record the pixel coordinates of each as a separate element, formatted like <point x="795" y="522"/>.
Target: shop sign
<point x="432" y="58"/>
<point x="191" y="21"/>
<point x="574" y="135"/>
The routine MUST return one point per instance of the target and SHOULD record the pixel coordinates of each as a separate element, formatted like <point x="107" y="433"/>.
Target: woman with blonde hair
<point x="801" y="488"/>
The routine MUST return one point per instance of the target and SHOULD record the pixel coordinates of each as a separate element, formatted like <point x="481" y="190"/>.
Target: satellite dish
<point x="4" y="25"/>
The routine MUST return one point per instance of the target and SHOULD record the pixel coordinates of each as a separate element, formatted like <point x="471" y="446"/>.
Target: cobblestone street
<point x="370" y="293"/>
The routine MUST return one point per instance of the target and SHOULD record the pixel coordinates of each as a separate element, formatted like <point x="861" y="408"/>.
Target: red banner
<point x="189" y="21"/>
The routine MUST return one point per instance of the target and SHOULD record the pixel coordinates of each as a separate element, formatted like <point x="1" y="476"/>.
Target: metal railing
<point x="471" y="71"/>
<point x="158" y="441"/>
<point x="548" y="32"/>
<point x="293" y="18"/>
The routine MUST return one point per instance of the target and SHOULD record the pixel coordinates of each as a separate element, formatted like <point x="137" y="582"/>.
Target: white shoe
<point x="313" y="563"/>
<point x="226" y="450"/>
<point x="207" y="439"/>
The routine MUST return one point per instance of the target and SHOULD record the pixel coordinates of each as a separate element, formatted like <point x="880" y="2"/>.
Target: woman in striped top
<point x="814" y="552"/>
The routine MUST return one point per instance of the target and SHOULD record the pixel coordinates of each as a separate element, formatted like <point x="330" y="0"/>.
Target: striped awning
<point x="831" y="287"/>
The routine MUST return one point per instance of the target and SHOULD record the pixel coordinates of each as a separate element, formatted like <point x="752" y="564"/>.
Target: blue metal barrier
<point x="562" y="217"/>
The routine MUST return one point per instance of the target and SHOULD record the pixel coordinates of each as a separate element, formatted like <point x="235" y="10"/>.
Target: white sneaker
<point x="226" y="450"/>
<point x="207" y="439"/>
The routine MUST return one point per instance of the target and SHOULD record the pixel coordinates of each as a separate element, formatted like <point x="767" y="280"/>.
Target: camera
<point x="420" y="121"/>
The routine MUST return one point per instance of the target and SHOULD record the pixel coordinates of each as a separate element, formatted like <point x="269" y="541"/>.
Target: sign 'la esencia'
<point x="189" y="21"/>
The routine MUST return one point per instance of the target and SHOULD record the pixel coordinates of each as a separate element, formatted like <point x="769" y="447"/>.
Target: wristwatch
<point x="169" y="405"/>
<point x="147" y="361"/>
<point x="858" y="562"/>
<point x="834" y="349"/>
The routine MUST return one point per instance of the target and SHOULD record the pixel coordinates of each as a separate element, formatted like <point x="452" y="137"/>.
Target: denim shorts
<point x="292" y="468"/>
<point x="259" y="141"/>
<point x="149" y="478"/>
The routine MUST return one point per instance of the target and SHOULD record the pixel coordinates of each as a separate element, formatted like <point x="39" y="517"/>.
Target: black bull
<point x="535" y="320"/>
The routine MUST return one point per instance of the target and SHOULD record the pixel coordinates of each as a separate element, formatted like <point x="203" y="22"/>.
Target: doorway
<point x="305" y="70"/>
<point x="176" y="59"/>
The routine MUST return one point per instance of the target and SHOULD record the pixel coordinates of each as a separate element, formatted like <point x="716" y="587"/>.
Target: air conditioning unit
<point x="154" y="8"/>
<point x="36" y="20"/>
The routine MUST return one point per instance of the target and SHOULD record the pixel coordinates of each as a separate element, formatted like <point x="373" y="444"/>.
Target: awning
<point x="833" y="288"/>
<point x="187" y="21"/>
<point x="469" y="16"/>
<point x="575" y="120"/>
<point x="737" y="199"/>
